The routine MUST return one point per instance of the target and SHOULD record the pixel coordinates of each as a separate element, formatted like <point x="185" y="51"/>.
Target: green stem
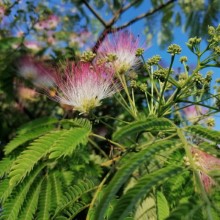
<point x="165" y="83"/>
<point x="112" y="142"/>
<point x="98" y="148"/>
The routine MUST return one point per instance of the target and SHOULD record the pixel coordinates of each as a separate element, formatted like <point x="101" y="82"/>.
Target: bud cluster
<point x="174" y="49"/>
<point x="87" y="56"/>
<point x="161" y="74"/>
<point x="154" y="60"/>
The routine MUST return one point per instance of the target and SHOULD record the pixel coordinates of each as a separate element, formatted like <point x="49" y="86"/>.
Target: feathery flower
<point x="206" y="163"/>
<point x="120" y="49"/>
<point x="194" y="113"/>
<point x="35" y="71"/>
<point x="84" y="86"/>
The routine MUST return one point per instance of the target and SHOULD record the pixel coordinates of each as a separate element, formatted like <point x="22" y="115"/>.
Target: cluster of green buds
<point x="214" y="34"/>
<point x="195" y="160"/>
<point x="139" y="52"/>
<point x="210" y="122"/>
<point x="174" y="49"/>
<point x="161" y="74"/>
<point x="183" y="59"/>
<point x="87" y="56"/>
<point x="198" y="80"/>
<point x="193" y="44"/>
<point x="111" y="57"/>
<point x="135" y="84"/>
<point x="182" y="78"/>
<point x="154" y="60"/>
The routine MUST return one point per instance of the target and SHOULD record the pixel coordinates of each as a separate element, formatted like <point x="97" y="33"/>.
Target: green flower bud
<point x="139" y="52"/>
<point x="161" y="74"/>
<point x="111" y="57"/>
<point x="183" y="59"/>
<point x="210" y="122"/>
<point x="143" y="87"/>
<point x="87" y="56"/>
<point x="217" y="50"/>
<point x="132" y="75"/>
<point x="133" y="83"/>
<point x="154" y="60"/>
<point x="174" y="49"/>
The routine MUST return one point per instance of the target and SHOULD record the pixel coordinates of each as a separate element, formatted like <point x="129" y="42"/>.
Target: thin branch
<point x="95" y="13"/>
<point x="144" y="15"/>
<point x="126" y="7"/>
<point x="109" y="25"/>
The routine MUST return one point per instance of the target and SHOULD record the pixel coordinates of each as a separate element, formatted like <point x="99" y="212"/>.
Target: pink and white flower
<point x="193" y="113"/>
<point x="48" y="23"/>
<point x="2" y="11"/>
<point x="35" y="71"/>
<point x="206" y="163"/>
<point x="123" y="45"/>
<point x="84" y="86"/>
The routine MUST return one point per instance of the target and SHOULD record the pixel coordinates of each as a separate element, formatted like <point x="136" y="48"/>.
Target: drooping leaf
<point x="69" y="141"/>
<point x="72" y="195"/>
<point x="150" y="124"/>
<point x="128" y="201"/>
<point x="31" y="203"/>
<point x="14" y="203"/>
<point x="38" y="149"/>
<point x="5" y="165"/>
<point x="28" y="136"/>
<point x="162" y="206"/>
<point x="204" y="133"/>
<point x="126" y="170"/>
<point x="45" y="199"/>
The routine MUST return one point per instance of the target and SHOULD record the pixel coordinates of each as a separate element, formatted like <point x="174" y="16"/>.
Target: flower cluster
<point x="84" y="84"/>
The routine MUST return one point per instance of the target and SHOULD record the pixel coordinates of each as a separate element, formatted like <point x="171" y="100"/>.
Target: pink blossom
<point x="25" y="93"/>
<point x="206" y="163"/>
<point x="193" y="113"/>
<point x="2" y="12"/>
<point x="83" y="86"/>
<point x="123" y="45"/>
<point x="39" y="74"/>
<point x="32" y="45"/>
<point x="50" y="22"/>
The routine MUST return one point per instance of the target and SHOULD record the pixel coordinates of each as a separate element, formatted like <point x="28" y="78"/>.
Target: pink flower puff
<point x="123" y="45"/>
<point x="2" y="11"/>
<point x="193" y="113"/>
<point x="205" y="163"/>
<point x="48" y="23"/>
<point x="84" y="86"/>
<point x="37" y="72"/>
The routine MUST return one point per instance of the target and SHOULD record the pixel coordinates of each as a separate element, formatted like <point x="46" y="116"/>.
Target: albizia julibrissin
<point x="83" y="86"/>
<point x="120" y="48"/>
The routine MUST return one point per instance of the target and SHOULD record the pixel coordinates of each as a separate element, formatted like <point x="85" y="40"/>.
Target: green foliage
<point x="69" y="201"/>
<point x="151" y="124"/>
<point x="135" y="157"/>
<point x="162" y="206"/>
<point x="141" y="189"/>
<point x="205" y="133"/>
<point x="128" y="168"/>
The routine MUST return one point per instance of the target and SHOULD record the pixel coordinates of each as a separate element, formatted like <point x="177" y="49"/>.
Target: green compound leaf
<point x="204" y="133"/>
<point x="150" y="124"/>
<point x="126" y="170"/>
<point x="128" y="201"/>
